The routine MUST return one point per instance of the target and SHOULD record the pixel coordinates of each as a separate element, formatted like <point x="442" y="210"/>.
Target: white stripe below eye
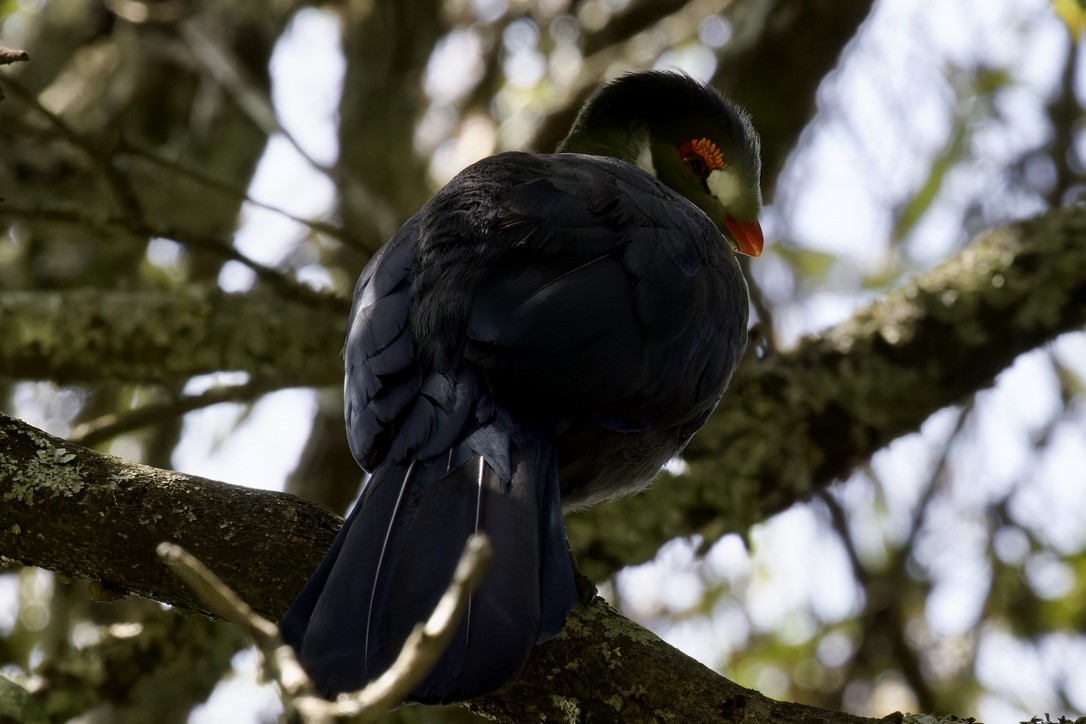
<point x="725" y="186"/>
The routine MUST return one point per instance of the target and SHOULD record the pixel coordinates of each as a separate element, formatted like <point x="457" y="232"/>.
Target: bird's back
<point x="591" y="297"/>
<point x="543" y="321"/>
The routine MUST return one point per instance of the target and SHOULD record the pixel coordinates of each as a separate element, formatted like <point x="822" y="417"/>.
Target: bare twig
<point x="118" y="186"/>
<point x="223" y="248"/>
<point x="424" y="646"/>
<point x="884" y="613"/>
<point x="109" y="426"/>
<point x="220" y="64"/>
<point x="223" y="602"/>
<point x="7" y="56"/>
<point x="70" y="134"/>
<point x="128" y="149"/>
<point x="426" y="642"/>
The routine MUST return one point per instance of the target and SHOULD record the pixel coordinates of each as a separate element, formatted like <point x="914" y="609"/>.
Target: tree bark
<point x="791" y="424"/>
<point x="87" y="514"/>
<point x="795" y="423"/>
<point x="140" y="336"/>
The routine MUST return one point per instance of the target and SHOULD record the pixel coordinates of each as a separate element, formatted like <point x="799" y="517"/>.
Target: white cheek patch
<point x="725" y="186"/>
<point x="644" y="160"/>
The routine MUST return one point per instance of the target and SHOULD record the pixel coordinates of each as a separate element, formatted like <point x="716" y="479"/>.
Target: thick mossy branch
<point x="85" y="514"/>
<point x="789" y="425"/>
<point x="90" y="335"/>
<point x="605" y="668"/>
<point x="795" y="423"/>
<point x="89" y="515"/>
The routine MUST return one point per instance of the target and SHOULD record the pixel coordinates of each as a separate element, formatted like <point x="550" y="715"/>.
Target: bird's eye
<point x="697" y="165"/>
<point x="702" y="157"/>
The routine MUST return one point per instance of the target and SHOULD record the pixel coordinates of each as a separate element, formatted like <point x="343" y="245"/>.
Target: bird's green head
<point x="687" y="135"/>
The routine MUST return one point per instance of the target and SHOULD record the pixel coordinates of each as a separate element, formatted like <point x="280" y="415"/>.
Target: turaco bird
<point x="546" y="332"/>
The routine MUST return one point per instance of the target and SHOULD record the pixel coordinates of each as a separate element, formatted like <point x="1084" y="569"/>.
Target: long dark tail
<point x="396" y="554"/>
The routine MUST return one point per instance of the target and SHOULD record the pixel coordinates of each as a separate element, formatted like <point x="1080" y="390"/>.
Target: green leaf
<point x="16" y="703"/>
<point x="1073" y="15"/>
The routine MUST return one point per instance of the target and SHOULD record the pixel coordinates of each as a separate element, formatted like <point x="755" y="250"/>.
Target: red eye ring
<point x="702" y="157"/>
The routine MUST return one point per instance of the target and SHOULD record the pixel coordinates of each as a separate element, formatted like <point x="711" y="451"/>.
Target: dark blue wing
<point x="382" y="378"/>
<point x="614" y="297"/>
<point x="531" y="288"/>
<point x="447" y="461"/>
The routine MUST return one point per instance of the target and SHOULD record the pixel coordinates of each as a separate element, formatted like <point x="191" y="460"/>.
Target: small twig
<point x="220" y="247"/>
<point x="128" y="149"/>
<point x="31" y="99"/>
<point x="225" y="69"/>
<point x="423" y="647"/>
<point x="110" y="426"/>
<point x="223" y="602"/>
<point x="7" y="56"/>
<point x="426" y="642"/>
<point x="117" y="185"/>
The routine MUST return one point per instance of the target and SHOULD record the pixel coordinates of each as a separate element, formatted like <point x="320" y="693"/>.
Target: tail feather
<point x="396" y="554"/>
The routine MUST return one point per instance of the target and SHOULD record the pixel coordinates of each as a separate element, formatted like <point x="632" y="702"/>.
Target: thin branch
<point x="221" y="66"/>
<point x="637" y="51"/>
<point x="8" y="56"/>
<point x="423" y="647"/>
<point x="222" y="601"/>
<point x="222" y="248"/>
<point x="881" y="589"/>
<point x="129" y="149"/>
<point x="117" y="185"/>
<point x="426" y="642"/>
<point x="30" y="98"/>
<point x="109" y="426"/>
<point x="58" y="497"/>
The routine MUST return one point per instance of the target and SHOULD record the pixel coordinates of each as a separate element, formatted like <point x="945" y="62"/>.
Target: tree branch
<point x="794" y="423"/>
<point x="8" y="56"/>
<point x="789" y="425"/>
<point x="87" y="514"/>
<point x="110" y="425"/>
<point x="91" y="334"/>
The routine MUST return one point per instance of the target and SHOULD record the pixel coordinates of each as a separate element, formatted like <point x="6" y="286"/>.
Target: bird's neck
<point x="632" y="146"/>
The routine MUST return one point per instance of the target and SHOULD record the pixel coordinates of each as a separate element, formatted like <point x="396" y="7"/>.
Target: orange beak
<point x="747" y="234"/>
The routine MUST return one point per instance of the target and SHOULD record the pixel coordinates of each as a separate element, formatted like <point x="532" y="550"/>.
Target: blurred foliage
<point x="1073" y="13"/>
